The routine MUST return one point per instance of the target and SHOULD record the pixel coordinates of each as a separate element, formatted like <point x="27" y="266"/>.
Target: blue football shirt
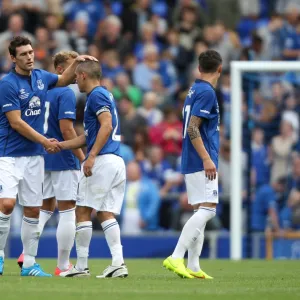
<point x="100" y="100"/>
<point x="27" y="94"/>
<point x="201" y="101"/>
<point x="60" y="104"/>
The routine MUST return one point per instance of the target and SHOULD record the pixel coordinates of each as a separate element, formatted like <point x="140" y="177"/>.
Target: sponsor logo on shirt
<point x="34" y="107"/>
<point x="40" y="84"/>
<point x="191" y="92"/>
<point x="69" y="113"/>
<point x="7" y="105"/>
<point x="23" y="94"/>
<point x="204" y="111"/>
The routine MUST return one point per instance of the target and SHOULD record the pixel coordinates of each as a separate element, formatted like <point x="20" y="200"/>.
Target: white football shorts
<point x="104" y="190"/>
<point x="63" y="185"/>
<point x="200" y="189"/>
<point x="23" y="176"/>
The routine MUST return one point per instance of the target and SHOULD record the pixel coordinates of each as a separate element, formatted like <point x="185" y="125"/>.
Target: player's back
<point x="60" y="104"/>
<point x="201" y="101"/>
<point x="100" y="100"/>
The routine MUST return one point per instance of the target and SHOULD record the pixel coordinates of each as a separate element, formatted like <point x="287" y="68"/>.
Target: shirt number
<point x="47" y="113"/>
<point x="186" y="115"/>
<point x="116" y="137"/>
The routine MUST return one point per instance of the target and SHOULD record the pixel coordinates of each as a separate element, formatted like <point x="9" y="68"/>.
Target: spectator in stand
<point x="133" y="18"/>
<point x="130" y="121"/>
<point x="58" y="37"/>
<point x="15" y="28"/>
<point x="149" y="110"/>
<point x="147" y="37"/>
<point x="79" y="39"/>
<point x="290" y="214"/>
<point x="144" y="72"/>
<point x="168" y="135"/>
<point x="141" y="203"/>
<point x="260" y="158"/>
<point x="111" y="38"/>
<point x="162" y="93"/>
<point x="124" y="87"/>
<point x="90" y="12"/>
<point x="290" y="42"/>
<point x="281" y="147"/>
<point x="167" y="181"/>
<point x="111" y="65"/>
<point x="264" y="211"/>
<point x="141" y="143"/>
<point x="187" y="27"/>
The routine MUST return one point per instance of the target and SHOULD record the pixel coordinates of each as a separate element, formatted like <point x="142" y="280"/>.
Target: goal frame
<point x="236" y="70"/>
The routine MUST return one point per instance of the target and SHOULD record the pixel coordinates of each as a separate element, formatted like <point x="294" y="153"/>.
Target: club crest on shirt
<point x="215" y="193"/>
<point x="23" y="94"/>
<point x="1" y="188"/>
<point x="191" y="92"/>
<point x="40" y="84"/>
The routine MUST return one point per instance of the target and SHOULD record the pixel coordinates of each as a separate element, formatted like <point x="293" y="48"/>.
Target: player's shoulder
<point x="100" y="93"/>
<point x="204" y="88"/>
<point x="9" y="81"/>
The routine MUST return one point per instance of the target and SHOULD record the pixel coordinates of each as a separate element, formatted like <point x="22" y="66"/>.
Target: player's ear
<point x="220" y="69"/>
<point x="13" y="59"/>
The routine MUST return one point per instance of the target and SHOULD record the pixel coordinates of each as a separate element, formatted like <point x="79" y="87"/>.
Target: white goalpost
<point x="237" y="68"/>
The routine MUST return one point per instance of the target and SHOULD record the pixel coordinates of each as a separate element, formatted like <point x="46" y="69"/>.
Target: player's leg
<point x="200" y="191"/>
<point x="8" y="193"/>
<point x="65" y="234"/>
<point x="111" y="205"/>
<point x="31" y="198"/>
<point x="46" y="210"/>
<point x="84" y="229"/>
<point x="194" y="252"/>
<point x="65" y="184"/>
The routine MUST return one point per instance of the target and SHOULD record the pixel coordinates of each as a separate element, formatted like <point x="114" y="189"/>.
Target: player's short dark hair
<point x="16" y="42"/>
<point x="63" y="56"/>
<point x="90" y="67"/>
<point x="209" y="61"/>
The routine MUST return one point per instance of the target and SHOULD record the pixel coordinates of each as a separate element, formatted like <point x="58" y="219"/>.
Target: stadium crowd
<point x="148" y="51"/>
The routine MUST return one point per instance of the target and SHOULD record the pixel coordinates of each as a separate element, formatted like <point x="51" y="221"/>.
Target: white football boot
<point x="73" y="272"/>
<point x="113" y="272"/>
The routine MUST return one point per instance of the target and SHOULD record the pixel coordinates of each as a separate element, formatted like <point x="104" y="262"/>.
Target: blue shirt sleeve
<point x="100" y="104"/>
<point x="9" y="98"/>
<point x="50" y="78"/>
<point x="67" y="105"/>
<point x="203" y="104"/>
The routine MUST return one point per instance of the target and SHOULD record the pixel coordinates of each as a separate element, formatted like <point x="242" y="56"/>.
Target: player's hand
<point x="210" y="169"/>
<point x="88" y="166"/>
<point x="81" y="58"/>
<point x="51" y="145"/>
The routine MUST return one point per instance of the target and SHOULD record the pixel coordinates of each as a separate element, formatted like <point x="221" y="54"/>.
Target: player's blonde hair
<point x="63" y="56"/>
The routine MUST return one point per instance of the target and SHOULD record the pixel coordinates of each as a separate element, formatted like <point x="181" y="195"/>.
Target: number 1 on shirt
<point x="187" y="110"/>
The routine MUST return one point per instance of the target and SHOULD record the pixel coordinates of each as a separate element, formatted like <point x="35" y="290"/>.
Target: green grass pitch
<point x="147" y="279"/>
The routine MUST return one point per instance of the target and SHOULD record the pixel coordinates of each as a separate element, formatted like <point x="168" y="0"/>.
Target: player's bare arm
<point x="76" y="143"/>
<point x="68" y="75"/>
<point x="105" y="120"/>
<point x="195" y="137"/>
<point x="16" y="122"/>
<point x="69" y="133"/>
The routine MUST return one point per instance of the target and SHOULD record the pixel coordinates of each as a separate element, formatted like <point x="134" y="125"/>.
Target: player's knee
<point x="65" y="205"/>
<point x="105" y="215"/>
<point x="7" y="206"/>
<point x="83" y="214"/>
<point x="32" y="212"/>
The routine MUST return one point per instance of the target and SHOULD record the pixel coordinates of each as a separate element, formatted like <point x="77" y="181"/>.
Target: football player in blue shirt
<point x="199" y="163"/>
<point x="23" y="94"/>
<point x="61" y="169"/>
<point x="103" y="176"/>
